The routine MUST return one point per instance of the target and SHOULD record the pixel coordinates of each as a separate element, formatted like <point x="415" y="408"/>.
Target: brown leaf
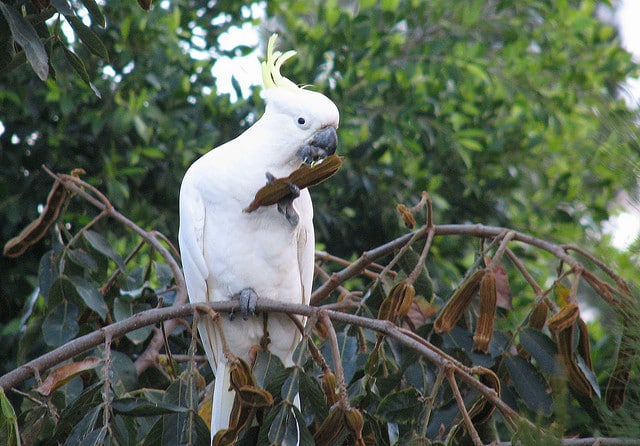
<point x="421" y="310"/>
<point x="504" y="297"/>
<point x="65" y="373"/>
<point x="305" y="176"/>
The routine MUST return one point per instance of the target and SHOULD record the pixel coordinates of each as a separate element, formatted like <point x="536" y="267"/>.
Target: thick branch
<point x="154" y="316"/>
<point x="476" y="230"/>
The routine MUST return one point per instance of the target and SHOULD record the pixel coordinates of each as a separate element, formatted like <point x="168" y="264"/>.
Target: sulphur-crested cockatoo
<point x="269" y="253"/>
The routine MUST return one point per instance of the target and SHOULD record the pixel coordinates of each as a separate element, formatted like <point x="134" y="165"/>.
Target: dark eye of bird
<point x="301" y="120"/>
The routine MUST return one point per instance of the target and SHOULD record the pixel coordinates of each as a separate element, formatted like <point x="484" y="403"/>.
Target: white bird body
<point x="225" y="250"/>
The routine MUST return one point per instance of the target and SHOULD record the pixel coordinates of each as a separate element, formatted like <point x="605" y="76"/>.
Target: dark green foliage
<point x="507" y="113"/>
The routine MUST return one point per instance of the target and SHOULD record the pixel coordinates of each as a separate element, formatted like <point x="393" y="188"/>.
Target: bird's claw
<point x="248" y="300"/>
<point x="285" y="205"/>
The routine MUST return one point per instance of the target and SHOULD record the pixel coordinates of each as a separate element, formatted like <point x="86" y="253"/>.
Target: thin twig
<point x="78" y="186"/>
<point x="337" y="360"/>
<point x="471" y="430"/>
<point x="523" y="270"/>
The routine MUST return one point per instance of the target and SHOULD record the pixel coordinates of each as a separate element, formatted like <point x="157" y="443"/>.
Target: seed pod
<point x="584" y="349"/>
<point x="355" y="422"/>
<point x="39" y="227"/>
<point x="564" y="318"/>
<point x="488" y="299"/>
<point x="240" y="374"/>
<point x="405" y="300"/>
<point x="578" y="382"/>
<point x="538" y="316"/>
<point x="406" y="215"/>
<point x="145" y="4"/>
<point x="330" y="387"/>
<point x="305" y="176"/>
<point x="398" y="302"/>
<point x="483" y="410"/>
<point x="458" y="302"/>
<point x="331" y="427"/>
<point x="251" y="396"/>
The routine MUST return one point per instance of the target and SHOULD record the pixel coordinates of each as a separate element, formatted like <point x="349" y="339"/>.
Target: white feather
<point x="225" y="250"/>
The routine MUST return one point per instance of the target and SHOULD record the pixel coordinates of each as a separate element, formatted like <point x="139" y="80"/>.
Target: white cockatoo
<point x="268" y="253"/>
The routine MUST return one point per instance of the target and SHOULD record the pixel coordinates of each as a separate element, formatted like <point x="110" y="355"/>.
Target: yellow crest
<point x="271" y="66"/>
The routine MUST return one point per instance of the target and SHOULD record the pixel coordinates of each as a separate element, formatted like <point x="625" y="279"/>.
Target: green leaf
<point x="9" y="431"/>
<point x="312" y="396"/>
<point x="139" y="407"/>
<point x="95" y="12"/>
<point x="164" y="274"/>
<point x="400" y="407"/>
<point x="61" y="324"/>
<point x="25" y="35"/>
<point x="78" y="66"/>
<point x="125" y="376"/>
<point x="284" y="428"/>
<point x="82" y="258"/>
<point x="88" y="37"/>
<point x="47" y="273"/>
<point x="588" y="373"/>
<point x="85" y="432"/>
<point x="89" y="399"/>
<point x="62" y="6"/>
<point x="125" y="308"/>
<point x="529" y="384"/>
<point x="180" y="428"/>
<point x="90" y="295"/>
<point x="542" y="348"/>
<point x="99" y="243"/>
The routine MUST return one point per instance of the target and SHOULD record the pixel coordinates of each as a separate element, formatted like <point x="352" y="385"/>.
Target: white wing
<point x="196" y="272"/>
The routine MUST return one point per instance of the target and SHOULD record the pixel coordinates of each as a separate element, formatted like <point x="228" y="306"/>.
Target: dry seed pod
<point x="405" y="300"/>
<point x="225" y="437"/>
<point x="398" y="302"/>
<point x="584" y="349"/>
<point x="482" y="412"/>
<point x="254" y="397"/>
<point x="538" y="316"/>
<point x="145" y="4"/>
<point x="240" y="374"/>
<point x="564" y="318"/>
<point x="488" y="300"/>
<point x="330" y="388"/>
<point x="406" y="215"/>
<point x="456" y="305"/>
<point x="305" y="176"/>
<point x="331" y="427"/>
<point x="578" y="382"/>
<point x="355" y="422"/>
<point x="39" y="227"/>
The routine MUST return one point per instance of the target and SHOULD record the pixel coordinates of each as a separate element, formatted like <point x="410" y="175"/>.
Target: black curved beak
<point x="321" y="144"/>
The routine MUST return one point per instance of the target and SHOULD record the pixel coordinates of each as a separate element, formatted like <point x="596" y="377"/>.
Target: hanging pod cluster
<point x="339" y="419"/>
<point x="482" y="281"/>
<point x="563" y="325"/>
<point x="249" y="398"/>
<point x="398" y="302"/>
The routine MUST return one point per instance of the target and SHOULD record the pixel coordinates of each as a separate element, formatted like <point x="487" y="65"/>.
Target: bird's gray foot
<point x="248" y="300"/>
<point x="285" y="205"/>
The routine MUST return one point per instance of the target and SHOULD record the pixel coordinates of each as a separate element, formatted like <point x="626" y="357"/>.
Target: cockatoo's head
<point x="307" y="120"/>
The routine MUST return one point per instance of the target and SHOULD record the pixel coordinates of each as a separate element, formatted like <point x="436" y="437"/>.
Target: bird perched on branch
<point x="232" y="252"/>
